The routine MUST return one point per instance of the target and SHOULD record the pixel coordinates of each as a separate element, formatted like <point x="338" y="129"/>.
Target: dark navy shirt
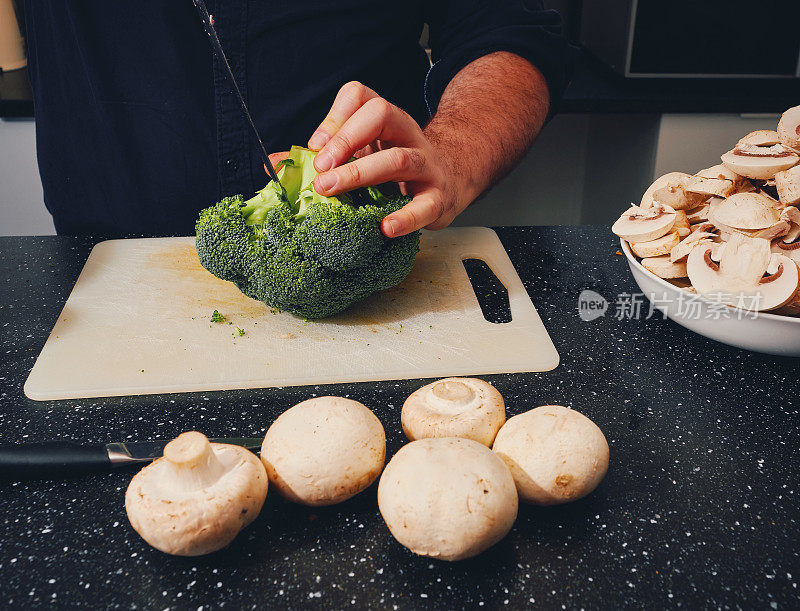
<point x="136" y="126"/>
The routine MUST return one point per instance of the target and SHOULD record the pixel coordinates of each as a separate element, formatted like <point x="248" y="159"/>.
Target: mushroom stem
<point x="451" y="396"/>
<point x="193" y="463"/>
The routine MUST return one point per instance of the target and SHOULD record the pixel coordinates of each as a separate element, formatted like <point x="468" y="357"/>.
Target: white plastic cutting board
<point x="137" y="322"/>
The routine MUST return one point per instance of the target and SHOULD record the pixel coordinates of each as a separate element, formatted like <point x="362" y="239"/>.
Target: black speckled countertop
<point x="699" y="508"/>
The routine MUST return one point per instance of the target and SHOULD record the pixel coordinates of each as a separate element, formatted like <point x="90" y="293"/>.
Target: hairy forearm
<point x="488" y="116"/>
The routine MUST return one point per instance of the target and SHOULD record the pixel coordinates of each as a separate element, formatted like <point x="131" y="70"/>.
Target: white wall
<point x="22" y="210"/>
<point x="546" y="188"/>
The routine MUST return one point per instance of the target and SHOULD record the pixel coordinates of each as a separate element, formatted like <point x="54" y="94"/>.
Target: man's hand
<point x="487" y="118"/>
<point x="390" y="146"/>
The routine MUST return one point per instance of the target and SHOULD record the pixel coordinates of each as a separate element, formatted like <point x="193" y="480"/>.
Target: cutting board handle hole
<point x="492" y="295"/>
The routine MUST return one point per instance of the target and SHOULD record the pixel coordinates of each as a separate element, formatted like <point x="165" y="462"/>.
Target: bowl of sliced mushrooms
<point x="718" y="251"/>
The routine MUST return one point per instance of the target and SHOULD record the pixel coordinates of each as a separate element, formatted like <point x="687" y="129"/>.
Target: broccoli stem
<point x="255" y="209"/>
<point x="297" y="191"/>
<point x="296" y="176"/>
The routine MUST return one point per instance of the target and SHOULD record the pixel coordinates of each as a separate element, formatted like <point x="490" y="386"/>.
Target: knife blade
<point x="208" y="26"/>
<point x="62" y="458"/>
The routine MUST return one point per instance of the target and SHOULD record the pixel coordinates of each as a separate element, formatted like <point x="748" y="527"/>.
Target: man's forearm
<point x="487" y="118"/>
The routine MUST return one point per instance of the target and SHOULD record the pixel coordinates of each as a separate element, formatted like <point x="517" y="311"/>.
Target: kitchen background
<point x="657" y="89"/>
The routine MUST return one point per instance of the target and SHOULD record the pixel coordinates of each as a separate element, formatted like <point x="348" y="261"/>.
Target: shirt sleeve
<point x="461" y="31"/>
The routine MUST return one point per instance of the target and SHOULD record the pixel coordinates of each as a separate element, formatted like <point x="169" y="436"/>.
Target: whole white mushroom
<point x="324" y="450"/>
<point x="197" y="497"/>
<point x="555" y="454"/>
<point x="454" y="407"/>
<point x="447" y="498"/>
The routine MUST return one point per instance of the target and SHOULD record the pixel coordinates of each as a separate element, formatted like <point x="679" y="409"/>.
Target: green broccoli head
<point x="302" y="252"/>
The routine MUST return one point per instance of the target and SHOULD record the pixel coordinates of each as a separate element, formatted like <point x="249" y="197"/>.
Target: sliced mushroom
<point x="761" y="137"/>
<point x="790" y="308"/>
<point x="771" y="198"/>
<point x="197" y="497"/>
<point x="654" y="248"/>
<point x="705" y="226"/>
<point x="675" y="194"/>
<point x="767" y="188"/>
<point x="791" y="215"/>
<point x="789" y="128"/>
<point x="779" y="229"/>
<point x="759" y="162"/>
<point x="664" y="268"/>
<point x="740" y="219"/>
<point x="716" y="181"/>
<point x="746" y="187"/>
<point x="682" y="283"/>
<point x="639" y="225"/>
<point x="739" y="277"/>
<point x="699" y="214"/>
<point x="787" y="249"/>
<point x="680" y="251"/>
<point x="671" y="178"/>
<point x="743" y="211"/>
<point x="787" y="183"/>
<point x="682" y="225"/>
<point x="753" y="215"/>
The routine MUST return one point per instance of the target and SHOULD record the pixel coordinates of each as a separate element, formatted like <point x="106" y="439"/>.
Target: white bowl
<point x="758" y="331"/>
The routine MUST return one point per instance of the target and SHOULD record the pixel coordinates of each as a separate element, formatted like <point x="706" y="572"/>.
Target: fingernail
<point x="392" y="227"/>
<point x="326" y="182"/>
<point x="323" y="162"/>
<point x="318" y="139"/>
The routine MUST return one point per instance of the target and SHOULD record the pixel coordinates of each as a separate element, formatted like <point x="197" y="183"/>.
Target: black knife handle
<point x="51" y="458"/>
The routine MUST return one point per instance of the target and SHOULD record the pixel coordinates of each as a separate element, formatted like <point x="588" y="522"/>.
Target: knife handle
<point x="51" y="458"/>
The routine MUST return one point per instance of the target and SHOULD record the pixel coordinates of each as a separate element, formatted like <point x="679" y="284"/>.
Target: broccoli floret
<point x="217" y="317"/>
<point x="302" y="252"/>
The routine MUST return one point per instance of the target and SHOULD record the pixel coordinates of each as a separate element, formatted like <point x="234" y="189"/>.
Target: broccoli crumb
<point x="238" y="332"/>
<point x="217" y="317"/>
